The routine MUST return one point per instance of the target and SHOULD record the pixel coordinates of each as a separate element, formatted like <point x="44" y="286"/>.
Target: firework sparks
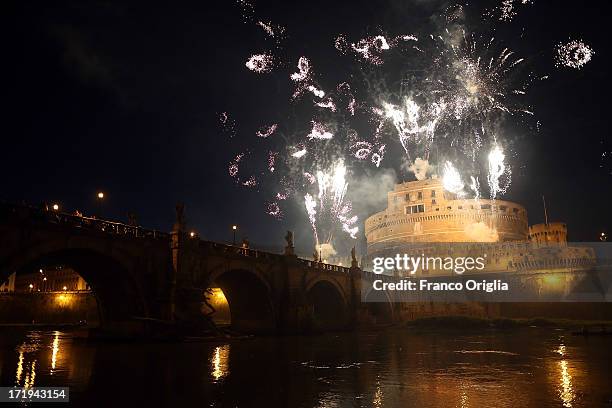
<point x="462" y="88"/>
<point x="228" y="125"/>
<point x="266" y="131"/>
<point x="247" y="9"/>
<point x="319" y="132"/>
<point x="451" y="180"/>
<point x="507" y="9"/>
<point x="329" y="104"/>
<point x="332" y="207"/>
<point x="272" y="160"/>
<point x="300" y="153"/>
<point x="260" y="63"/>
<point x="311" y="210"/>
<point x="574" y="54"/>
<point x="274" y="31"/>
<point x="274" y="210"/>
<point x="497" y="168"/>
<point x="475" y="187"/>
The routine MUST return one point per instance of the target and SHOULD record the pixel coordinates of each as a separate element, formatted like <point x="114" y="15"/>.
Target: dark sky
<point x="125" y="99"/>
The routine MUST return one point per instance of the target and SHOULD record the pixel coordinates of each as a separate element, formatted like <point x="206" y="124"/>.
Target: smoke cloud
<point x="480" y="232"/>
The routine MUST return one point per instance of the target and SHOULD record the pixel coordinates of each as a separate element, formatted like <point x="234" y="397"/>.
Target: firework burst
<point x="457" y="89"/>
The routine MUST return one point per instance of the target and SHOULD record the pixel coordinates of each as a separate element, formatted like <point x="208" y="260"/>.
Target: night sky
<point x="126" y="99"/>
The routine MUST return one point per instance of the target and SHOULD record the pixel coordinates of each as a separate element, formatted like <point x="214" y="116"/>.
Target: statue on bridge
<point x="354" y="263"/>
<point x="290" y="248"/>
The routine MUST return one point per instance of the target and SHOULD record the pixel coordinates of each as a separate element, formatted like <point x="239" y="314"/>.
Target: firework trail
<point x="497" y="168"/>
<point x="330" y="206"/>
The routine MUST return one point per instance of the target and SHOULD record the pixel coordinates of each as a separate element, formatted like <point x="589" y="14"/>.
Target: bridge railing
<point x="324" y="266"/>
<point x="239" y="250"/>
<point x="78" y="221"/>
<point x="254" y="253"/>
<point x="37" y="214"/>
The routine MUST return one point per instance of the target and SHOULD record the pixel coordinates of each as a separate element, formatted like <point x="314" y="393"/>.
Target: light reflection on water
<point x="396" y="368"/>
<point x="55" y="351"/>
<point x="219" y="362"/>
<point x="565" y="391"/>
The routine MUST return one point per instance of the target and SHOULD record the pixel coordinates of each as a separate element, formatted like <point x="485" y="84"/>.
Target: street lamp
<point x="603" y="237"/>
<point x="55" y="207"/>
<point x="100" y="196"/>
<point x="234" y="228"/>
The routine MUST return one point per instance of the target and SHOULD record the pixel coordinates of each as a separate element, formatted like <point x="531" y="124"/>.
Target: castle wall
<point x="421" y="212"/>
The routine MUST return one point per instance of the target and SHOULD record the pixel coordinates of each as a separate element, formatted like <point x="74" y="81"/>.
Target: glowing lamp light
<point x="192" y="234"/>
<point x="45" y="279"/>
<point x="65" y="288"/>
<point x="31" y="286"/>
<point x="100" y="195"/>
<point x="55" y="207"/>
<point x="234" y="227"/>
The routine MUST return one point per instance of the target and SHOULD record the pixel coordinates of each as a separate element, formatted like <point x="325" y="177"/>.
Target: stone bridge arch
<point x="379" y="306"/>
<point x="107" y="270"/>
<point x="249" y="294"/>
<point x="328" y="302"/>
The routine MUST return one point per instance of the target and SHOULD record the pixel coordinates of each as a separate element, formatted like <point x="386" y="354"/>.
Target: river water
<point x="527" y="367"/>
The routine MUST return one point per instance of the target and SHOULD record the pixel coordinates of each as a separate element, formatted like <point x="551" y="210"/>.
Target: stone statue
<point x="289" y="239"/>
<point x="354" y="262"/>
<point x="132" y="220"/>
<point x="315" y="255"/>
<point x="289" y="249"/>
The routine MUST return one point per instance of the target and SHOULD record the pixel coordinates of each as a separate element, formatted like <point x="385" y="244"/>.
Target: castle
<point x="422" y="214"/>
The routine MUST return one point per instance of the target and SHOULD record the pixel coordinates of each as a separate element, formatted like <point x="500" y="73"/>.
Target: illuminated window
<point x="415" y="209"/>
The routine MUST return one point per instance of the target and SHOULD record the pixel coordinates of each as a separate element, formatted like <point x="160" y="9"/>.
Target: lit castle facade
<point x="421" y="214"/>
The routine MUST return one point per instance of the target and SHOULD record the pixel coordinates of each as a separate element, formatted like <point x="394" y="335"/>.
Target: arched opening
<point x="380" y="309"/>
<point x="218" y="307"/>
<point x="242" y="301"/>
<point x="327" y="306"/>
<point x="72" y="286"/>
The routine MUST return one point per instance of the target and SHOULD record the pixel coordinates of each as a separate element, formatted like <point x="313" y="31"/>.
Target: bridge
<point x="141" y="275"/>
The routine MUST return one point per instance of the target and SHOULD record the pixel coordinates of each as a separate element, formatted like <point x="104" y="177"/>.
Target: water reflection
<point x="219" y="362"/>
<point x="387" y="369"/>
<point x="28" y="355"/>
<point x="378" y="396"/>
<point x="55" y="350"/>
<point x="27" y="359"/>
<point x="566" y="391"/>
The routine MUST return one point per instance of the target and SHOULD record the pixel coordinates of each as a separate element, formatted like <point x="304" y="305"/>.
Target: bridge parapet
<point x="40" y="215"/>
<point x="324" y="266"/>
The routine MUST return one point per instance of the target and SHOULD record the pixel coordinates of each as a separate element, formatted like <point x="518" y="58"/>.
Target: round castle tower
<point x="423" y="212"/>
<point x="553" y="233"/>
